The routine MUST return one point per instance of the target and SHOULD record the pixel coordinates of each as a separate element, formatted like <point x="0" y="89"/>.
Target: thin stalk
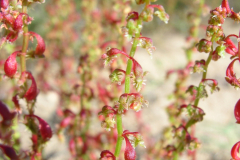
<point x="204" y="75"/>
<point x="25" y="38"/>
<point x="120" y="138"/>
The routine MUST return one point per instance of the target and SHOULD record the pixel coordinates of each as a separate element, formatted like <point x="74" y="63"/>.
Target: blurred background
<point x="63" y="26"/>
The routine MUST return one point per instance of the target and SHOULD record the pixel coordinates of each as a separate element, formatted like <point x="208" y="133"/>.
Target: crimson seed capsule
<point x="4" y="4"/>
<point x="237" y="111"/>
<point x="10" y="65"/>
<point x="32" y="92"/>
<point x="40" y="49"/>
<point x="45" y="129"/>
<point x="129" y="153"/>
<point x="235" y="151"/>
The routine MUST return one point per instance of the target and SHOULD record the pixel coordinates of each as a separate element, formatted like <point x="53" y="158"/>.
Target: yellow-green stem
<point x="25" y="38"/>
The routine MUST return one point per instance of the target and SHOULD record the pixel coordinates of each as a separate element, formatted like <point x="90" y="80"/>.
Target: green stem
<point x="127" y="90"/>
<point x="204" y="75"/>
<point x="120" y="138"/>
<point x="25" y="38"/>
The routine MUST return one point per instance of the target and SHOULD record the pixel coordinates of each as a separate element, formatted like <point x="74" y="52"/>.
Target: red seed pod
<point x="237" y="111"/>
<point x="40" y="44"/>
<point x="32" y="92"/>
<point x="137" y="68"/>
<point x="7" y="116"/>
<point x="9" y="151"/>
<point x="226" y="5"/>
<point x="4" y="4"/>
<point x="115" y="51"/>
<point x="129" y="153"/>
<point x="18" y="23"/>
<point x="45" y="129"/>
<point x="8" y="19"/>
<point x="12" y="36"/>
<point x="230" y="46"/>
<point x="235" y="151"/>
<point x="10" y="65"/>
<point x="231" y="76"/>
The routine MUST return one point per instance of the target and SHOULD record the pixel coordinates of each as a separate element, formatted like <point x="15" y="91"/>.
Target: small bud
<point x="109" y="113"/>
<point x="204" y="46"/>
<point x="220" y="50"/>
<point x="117" y="76"/>
<point x="160" y="13"/>
<point x="215" y="33"/>
<point x="147" y="14"/>
<point x="199" y="67"/>
<point x="147" y="43"/>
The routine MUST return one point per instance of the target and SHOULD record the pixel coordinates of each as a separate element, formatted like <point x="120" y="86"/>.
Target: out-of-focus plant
<point x="187" y="101"/>
<point x="15" y="21"/>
